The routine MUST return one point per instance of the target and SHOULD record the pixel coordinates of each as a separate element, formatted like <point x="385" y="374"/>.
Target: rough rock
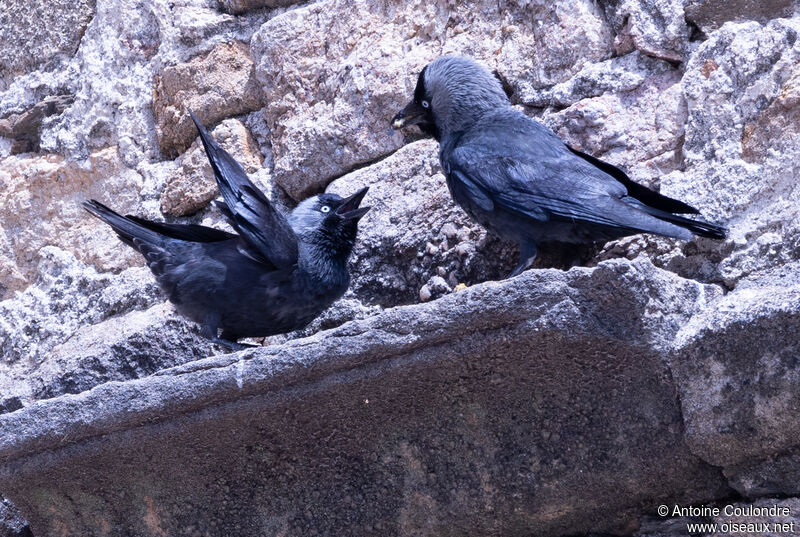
<point x="736" y="366"/>
<point x="621" y="74"/>
<point x="40" y="34"/>
<point x="709" y="15"/>
<point x="403" y="423"/>
<point x="717" y="140"/>
<point x="347" y="308"/>
<point x="334" y="73"/>
<point x="414" y="230"/>
<point x="122" y="347"/>
<point x="23" y="129"/>
<point x="192" y="186"/>
<point x="777" y="128"/>
<point x="41" y="197"/>
<point x="111" y="75"/>
<point x="243" y="6"/>
<point x="654" y="27"/>
<point x="775" y="476"/>
<point x="713" y="123"/>
<point x="730" y="83"/>
<point x="67" y="295"/>
<point x="639" y="126"/>
<point x="12" y="524"/>
<point x="214" y="86"/>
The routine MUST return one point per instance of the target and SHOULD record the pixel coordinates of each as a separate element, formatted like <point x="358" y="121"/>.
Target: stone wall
<point x="700" y="100"/>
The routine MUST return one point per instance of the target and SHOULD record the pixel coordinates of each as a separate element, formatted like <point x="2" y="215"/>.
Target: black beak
<point x="349" y="209"/>
<point x="412" y="114"/>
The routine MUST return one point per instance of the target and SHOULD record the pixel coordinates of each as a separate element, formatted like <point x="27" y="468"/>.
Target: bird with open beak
<point x="275" y="275"/>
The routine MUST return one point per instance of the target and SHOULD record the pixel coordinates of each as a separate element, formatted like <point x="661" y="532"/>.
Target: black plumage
<point x="276" y="275"/>
<point x="515" y="177"/>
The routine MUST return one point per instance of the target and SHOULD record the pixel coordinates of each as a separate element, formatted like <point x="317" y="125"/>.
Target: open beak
<point x="412" y="114"/>
<point x="349" y="209"/>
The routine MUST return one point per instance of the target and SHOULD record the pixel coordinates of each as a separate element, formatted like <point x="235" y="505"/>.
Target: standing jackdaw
<point x="275" y="276"/>
<point x="516" y="178"/>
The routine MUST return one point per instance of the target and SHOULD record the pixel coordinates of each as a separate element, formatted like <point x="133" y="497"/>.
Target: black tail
<point x="126" y="228"/>
<point x="698" y="227"/>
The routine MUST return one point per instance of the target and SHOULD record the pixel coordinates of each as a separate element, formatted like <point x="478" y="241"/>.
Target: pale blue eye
<point x="325" y="209"/>
<point x="426" y="104"/>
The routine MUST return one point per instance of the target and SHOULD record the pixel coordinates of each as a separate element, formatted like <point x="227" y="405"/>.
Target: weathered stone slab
<point x="402" y="423"/>
<point x="738" y="370"/>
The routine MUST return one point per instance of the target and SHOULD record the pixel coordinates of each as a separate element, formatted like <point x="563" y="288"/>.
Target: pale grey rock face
<point x="40" y="34"/>
<point x="213" y="86"/>
<point x="654" y="27"/>
<point x="66" y="295"/>
<point x="40" y="197"/>
<point x="719" y="134"/>
<point x="111" y="74"/>
<point x="709" y="15"/>
<point x="335" y="72"/>
<point x="23" y="129"/>
<point x="639" y="125"/>
<point x="192" y="186"/>
<point x="738" y="167"/>
<point x="243" y="6"/>
<point x="124" y="346"/>
<point x="616" y="75"/>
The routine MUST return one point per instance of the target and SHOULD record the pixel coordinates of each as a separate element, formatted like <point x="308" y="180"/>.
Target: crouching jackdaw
<point x="516" y="178"/>
<point x="276" y="275"/>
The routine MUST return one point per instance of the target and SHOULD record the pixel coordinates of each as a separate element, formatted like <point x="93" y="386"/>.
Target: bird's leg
<point x="527" y="255"/>
<point x="209" y="331"/>
<point x="229" y="340"/>
<point x="232" y="345"/>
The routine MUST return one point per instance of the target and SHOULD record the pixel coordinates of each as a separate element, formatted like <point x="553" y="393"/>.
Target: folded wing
<point x="524" y="171"/>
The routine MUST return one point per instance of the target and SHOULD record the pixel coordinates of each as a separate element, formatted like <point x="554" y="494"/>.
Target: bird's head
<point x="452" y="92"/>
<point x="329" y="221"/>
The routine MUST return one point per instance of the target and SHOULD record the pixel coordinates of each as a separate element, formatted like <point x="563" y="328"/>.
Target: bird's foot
<point x="232" y="345"/>
<point x="517" y="271"/>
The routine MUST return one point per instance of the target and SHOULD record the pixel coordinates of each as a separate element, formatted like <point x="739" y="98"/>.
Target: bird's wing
<point x="544" y="188"/>
<point x="260" y="224"/>
<point x="637" y="191"/>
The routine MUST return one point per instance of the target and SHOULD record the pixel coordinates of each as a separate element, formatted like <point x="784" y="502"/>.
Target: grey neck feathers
<point x="324" y="262"/>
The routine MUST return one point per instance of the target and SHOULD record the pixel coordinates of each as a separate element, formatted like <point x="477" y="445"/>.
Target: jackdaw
<point x="516" y="178"/>
<point x="276" y="275"/>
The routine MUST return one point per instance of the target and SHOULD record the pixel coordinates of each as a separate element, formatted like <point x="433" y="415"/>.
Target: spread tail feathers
<point x="125" y="227"/>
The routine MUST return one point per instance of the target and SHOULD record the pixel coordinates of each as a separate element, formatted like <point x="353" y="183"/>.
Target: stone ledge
<point x="403" y="423"/>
